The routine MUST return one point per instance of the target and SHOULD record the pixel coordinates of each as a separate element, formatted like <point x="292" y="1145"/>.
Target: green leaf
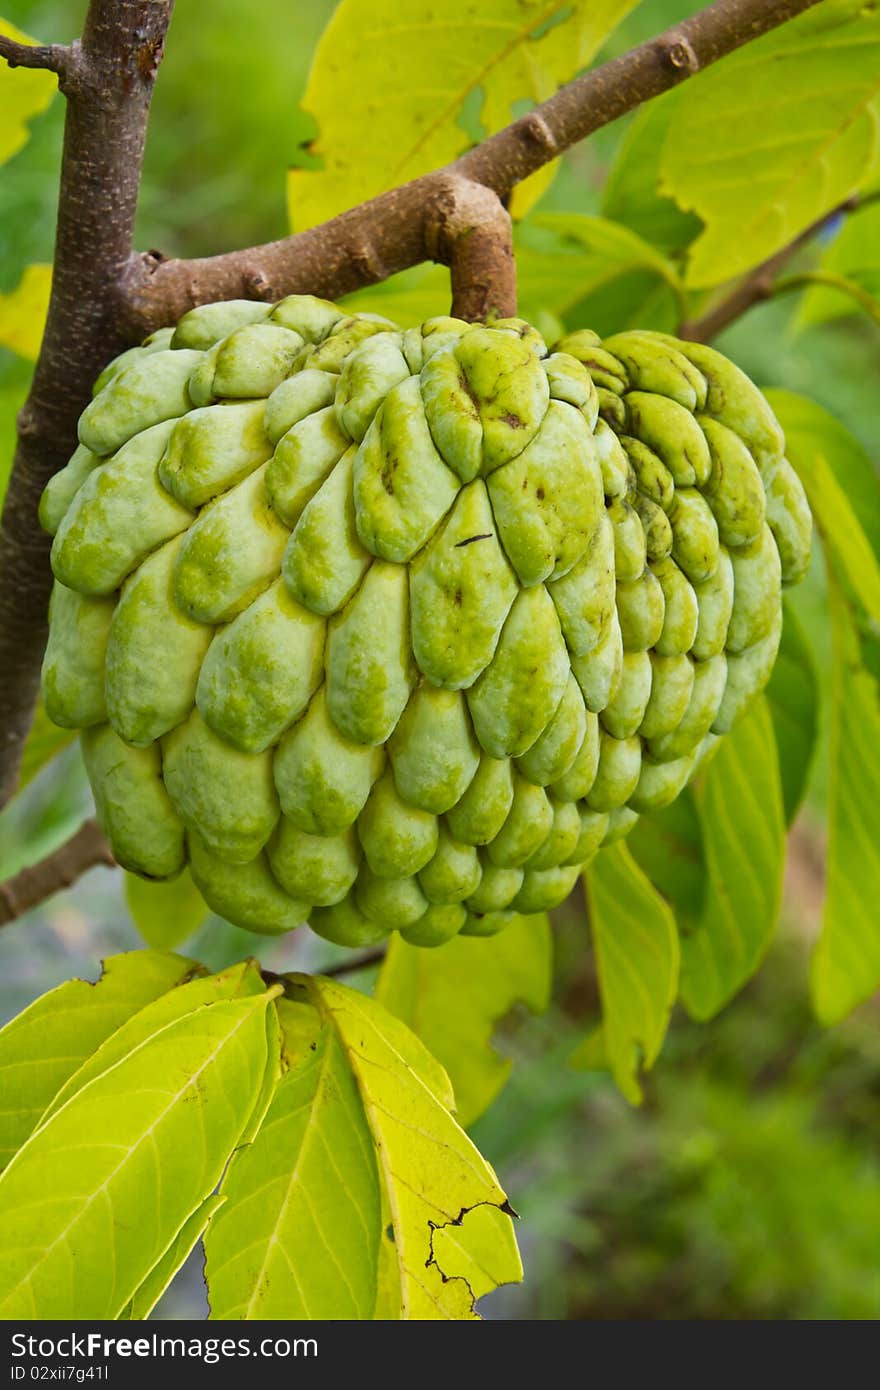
<point x="793" y="697"/>
<point x="44" y="742"/>
<point x="591" y="271"/>
<point x="151" y="1135"/>
<point x="846" y="964"/>
<point x="454" y="995"/>
<point x="432" y="1174"/>
<point x="824" y="452"/>
<point x="237" y="982"/>
<point x="668" y="845"/>
<point x="23" y="311"/>
<point x="408" y="298"/>
<point x="632" y="192"/>
<point x="396" y="92"/>
<point x="165" y="912"/>
<point x="739" y="801"/>
<point x="637" y="958"/>
<point x="854" y="254"/>
<point x="299" y="1234"/>
<point x="777" y="134"/>
<point x="24" y="93"/>
<point x="46" y="1043"/>
<point x="160" y="1276"/>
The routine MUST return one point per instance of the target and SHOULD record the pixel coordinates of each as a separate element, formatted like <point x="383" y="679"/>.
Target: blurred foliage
<point x="747" y="1187"/>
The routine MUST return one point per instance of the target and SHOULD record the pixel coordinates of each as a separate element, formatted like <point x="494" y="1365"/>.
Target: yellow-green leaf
<point x="237" y="982"/>
<point x="160" y="1276"/>
<point x="433" y="1175"/>
<point x="23" y="310"/>
<point x="844" y="491"/>
<point x="637" y="958"/>
<point x="739" y="801"/>
<point x="632" y="194"/>
<point x="299" y="1234"/>
<point x="47" y="1042"/>
<point x="165" y="912"/>
<point x="793" y="697"/>
<point x="453" y="996"/>
<point x="854" y="254"/>
<point x="774" y="136"/>
<point x="846" y="964"/>
<point x="668" y="845"/>
<point x="128" y="1160"/>
<point x="24" y="93"/>
<point x="394" y="90"/>
<point x="590" y="271"/>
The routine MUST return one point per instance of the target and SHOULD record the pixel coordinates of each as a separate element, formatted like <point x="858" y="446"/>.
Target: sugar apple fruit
<point x="393" y="630"/>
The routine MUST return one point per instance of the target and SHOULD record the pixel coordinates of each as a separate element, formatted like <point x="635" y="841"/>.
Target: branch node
<point x="367" y="263"/>
<point x="538" y="131"/>
<point x="258" y="284"/>
<point x="678" y="52"/>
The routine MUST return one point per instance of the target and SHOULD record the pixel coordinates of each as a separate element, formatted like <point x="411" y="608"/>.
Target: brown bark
<point x="108" y="97"/>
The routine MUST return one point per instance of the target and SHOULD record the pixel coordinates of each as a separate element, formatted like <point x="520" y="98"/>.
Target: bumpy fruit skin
<point x="391" y="631"/>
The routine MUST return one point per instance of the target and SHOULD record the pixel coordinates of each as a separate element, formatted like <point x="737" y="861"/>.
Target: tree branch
<point x="757" y="286"/>
<point x="398" y="229"/>
<point x="103" y="145"/>
<point x="347" y="967"/>
<point x="825" y="279"/>
<point x="53" y="57"/>
<point x="477" y="243"/>
<point x="58" y="870"/>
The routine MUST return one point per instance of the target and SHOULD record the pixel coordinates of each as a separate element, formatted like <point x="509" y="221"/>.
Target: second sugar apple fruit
<point x="393" y="630"/>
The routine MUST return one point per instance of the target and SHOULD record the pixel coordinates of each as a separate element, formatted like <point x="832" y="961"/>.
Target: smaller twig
<point x="475" y="239"/>
<point x="825" y="279"/>
<point x="32" y="885"/>
<point x="53" y="57"/>
<point x="757" y="286"/>
<point x="347" y="967"/>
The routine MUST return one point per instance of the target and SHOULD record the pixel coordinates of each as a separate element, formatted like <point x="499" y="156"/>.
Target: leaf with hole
<point x="45" y="1044"/>
<point x="152" y="1134"/>
<point x="430" y="80"/>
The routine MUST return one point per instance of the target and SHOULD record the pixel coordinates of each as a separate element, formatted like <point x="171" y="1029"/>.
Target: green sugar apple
<point x="391" y="631"/>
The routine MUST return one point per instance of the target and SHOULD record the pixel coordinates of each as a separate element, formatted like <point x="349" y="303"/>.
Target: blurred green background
<point x="748" y="1185"/>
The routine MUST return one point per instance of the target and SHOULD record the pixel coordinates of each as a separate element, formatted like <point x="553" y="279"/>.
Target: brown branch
<point x="477" y="243"/>
<point x="53" y="57"/>
<point x="758" y="285"/>
<point x="347" y="967"/>
<point x="399" y="228"/>
<point x="58" y="870"/>
<point x="103" y="146"/>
